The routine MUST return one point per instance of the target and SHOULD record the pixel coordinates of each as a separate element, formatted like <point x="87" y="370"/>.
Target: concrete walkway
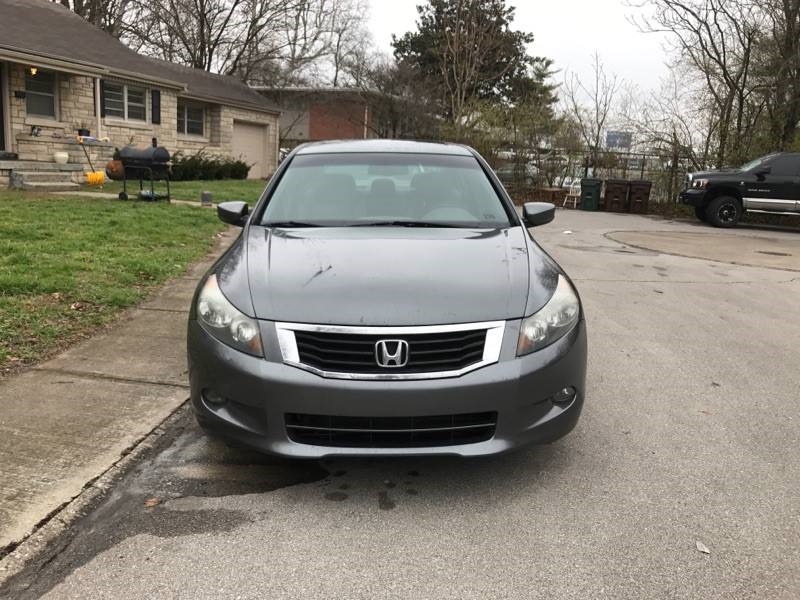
<point x="65" y="422"/>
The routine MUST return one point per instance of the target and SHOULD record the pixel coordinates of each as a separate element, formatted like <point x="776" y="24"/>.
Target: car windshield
<point x="385" y="189"/>
<point x="754" y="163"/>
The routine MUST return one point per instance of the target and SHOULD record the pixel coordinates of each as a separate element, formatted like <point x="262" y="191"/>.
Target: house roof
<point x="50" y="35"/>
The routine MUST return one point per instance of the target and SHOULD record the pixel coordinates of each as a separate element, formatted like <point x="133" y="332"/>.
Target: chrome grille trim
<point x="291" y="356"/>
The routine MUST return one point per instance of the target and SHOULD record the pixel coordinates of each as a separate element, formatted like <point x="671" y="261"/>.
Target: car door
<point x="779" y="189"/>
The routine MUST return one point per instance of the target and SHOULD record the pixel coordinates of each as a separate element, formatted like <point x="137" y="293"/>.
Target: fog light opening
<point x="213" y="398"/>
<point x="565" y="396"/>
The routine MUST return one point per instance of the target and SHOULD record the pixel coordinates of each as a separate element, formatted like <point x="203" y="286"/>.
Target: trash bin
<point x="616" y="195"/>
<point x="639" y="196"/>
<point x="590" y="193"/>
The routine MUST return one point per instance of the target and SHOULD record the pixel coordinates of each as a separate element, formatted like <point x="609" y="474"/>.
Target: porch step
<point x="39" y="176"/>
<point x="50" y="186"/>
<point x="43" y="181"/>
<point x="32" y="165"/>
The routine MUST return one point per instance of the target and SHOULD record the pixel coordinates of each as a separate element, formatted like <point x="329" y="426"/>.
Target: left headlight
<point x="700" y="184"/>
<point x="222" y="320"/>
<point x="552" y="322"/>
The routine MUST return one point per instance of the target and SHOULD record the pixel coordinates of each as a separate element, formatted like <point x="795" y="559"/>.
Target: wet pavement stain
<point x="344" y="486"/>
<point x="183" y="464"/>
<point x="385" y="502"/>
<point x="336" y="496"/>
<point x="412" y="492"/>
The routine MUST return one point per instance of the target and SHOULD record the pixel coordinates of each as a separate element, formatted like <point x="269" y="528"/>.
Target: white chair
<point x="574" y="193"/>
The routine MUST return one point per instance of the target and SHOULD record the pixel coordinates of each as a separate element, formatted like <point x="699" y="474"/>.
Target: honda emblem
<point x="391" y="354"/>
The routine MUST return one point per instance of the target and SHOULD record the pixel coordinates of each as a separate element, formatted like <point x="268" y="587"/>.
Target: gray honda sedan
<point x="384" y="298"/>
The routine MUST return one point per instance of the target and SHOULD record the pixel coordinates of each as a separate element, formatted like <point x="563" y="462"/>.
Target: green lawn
<point x="69" y="265"/>
<point x="222" y="190"/>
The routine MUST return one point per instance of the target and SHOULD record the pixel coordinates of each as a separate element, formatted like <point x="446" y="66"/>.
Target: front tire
<point x="700" y="213"/>
<point x="724" y="211"/>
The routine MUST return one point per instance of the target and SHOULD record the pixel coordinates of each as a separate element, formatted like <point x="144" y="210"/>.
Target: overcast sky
<point x="568" y="31"/>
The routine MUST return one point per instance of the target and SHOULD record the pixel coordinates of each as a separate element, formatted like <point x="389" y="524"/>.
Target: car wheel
<point x="700" y="213"/>
<point x="724" y="211"/>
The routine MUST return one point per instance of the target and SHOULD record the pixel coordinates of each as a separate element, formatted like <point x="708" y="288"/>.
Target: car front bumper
<point x="261" y="391"/>
<point x="693" y="197"/>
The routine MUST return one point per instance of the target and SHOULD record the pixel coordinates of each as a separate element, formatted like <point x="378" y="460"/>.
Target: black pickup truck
<point x="770" y="184"/>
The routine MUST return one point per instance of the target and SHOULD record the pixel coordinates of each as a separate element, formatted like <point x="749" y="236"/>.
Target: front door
<point x="779" y="189"/>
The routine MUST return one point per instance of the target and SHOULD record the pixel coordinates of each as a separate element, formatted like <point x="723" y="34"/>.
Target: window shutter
<point x="155" y="102"/>
<point x="102" y="99"/>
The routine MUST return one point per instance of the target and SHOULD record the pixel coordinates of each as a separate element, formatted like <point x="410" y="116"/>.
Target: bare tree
<point x="109" y="15"/>
<point x="590" y="104"/>
<point x="273" y="42"/>
<point x="718" y="39"/>
<point x="780" y="59"/>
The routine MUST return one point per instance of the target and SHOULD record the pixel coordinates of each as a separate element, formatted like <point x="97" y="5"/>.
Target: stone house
<point x="59" y="74"/>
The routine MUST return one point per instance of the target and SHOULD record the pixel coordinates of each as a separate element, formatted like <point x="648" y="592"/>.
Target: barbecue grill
<point x="149" y="163"/>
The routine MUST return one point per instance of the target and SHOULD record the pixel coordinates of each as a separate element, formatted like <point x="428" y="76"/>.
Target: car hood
<point x="387" y="276"/>
<point x="712" y="174"/>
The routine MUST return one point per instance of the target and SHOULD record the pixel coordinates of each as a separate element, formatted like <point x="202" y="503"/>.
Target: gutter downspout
<point x="366" y="119"/>
<point x="98" y="108"/>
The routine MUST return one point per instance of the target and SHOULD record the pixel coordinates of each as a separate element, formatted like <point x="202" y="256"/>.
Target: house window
<point x="191" y="118"/>
<point x="124" y="101"/>
<point x="40" y="93"/>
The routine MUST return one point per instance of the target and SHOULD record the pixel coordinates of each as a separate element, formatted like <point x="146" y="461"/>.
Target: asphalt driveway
<point x="680" y="481"/>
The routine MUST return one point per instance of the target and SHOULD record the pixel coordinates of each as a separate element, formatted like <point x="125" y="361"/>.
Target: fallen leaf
<point x="701" y="547"/>
<point x="567" y="232"/>
<point x="151" y="502"/>
<point x="715" y="384"/>
<point x="706" y="412"/>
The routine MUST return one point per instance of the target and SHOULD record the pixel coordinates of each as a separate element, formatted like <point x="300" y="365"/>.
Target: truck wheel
<point x="700" y="213"/>
<point x="724" y="211"/>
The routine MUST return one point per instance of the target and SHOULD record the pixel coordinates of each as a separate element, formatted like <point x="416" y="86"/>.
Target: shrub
<point x="205" y="166"/>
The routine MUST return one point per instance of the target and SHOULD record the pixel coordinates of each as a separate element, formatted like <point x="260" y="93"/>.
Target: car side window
<point x="785" y="166"/>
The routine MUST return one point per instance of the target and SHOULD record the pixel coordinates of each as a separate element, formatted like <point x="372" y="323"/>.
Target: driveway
<point x="680" y="481"/>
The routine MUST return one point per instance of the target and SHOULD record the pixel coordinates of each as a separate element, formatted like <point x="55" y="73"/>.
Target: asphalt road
<point x="689" y="440"/>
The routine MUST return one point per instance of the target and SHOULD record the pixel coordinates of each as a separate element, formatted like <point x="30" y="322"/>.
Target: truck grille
<point x="355" y="353"/>
<point x="390" y="432"/>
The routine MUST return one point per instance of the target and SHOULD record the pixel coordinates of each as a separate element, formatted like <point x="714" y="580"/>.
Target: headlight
<point x="223" y="321"/>
<point x="554" y="320"/>
<point x="700" y="184"/>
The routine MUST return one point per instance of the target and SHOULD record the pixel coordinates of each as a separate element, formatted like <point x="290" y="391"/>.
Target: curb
<point x="61" y="520"/>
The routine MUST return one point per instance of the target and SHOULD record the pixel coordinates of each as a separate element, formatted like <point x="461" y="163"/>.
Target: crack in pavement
<point x="105" y="377"/>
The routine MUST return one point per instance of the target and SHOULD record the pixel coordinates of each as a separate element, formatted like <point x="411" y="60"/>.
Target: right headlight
<point x="554" y="320"/>
<point x="225" y="322"/>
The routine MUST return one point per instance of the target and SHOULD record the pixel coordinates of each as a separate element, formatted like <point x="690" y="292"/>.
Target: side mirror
<point x="234" y="213"/>
<point x="763" y="171"/>
<point x="538" y="213"/>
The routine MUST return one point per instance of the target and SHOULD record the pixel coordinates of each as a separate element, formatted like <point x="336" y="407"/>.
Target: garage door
<point x="250" y="144"/>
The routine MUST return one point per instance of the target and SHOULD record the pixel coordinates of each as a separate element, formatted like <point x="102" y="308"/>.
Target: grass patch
<point x="69" y="265"/>
<point x="248" y="190"/>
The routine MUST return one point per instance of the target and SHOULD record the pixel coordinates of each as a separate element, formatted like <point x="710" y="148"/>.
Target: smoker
<point x="149" y="163"/>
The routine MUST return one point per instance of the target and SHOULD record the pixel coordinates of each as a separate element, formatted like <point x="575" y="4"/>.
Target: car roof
<point x="375" y="146"/>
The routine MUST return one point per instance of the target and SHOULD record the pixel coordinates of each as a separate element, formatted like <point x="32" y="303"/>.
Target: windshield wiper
<point x="401" y="223"/>
<point x="291" y="224"/>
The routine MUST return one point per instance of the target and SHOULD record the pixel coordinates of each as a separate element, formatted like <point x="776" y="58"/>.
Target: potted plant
<point x="83" y="129"/>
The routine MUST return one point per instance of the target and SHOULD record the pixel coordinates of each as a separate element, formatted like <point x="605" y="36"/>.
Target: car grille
<point x="355" y="353"/>
<point x="390" y="432"/>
